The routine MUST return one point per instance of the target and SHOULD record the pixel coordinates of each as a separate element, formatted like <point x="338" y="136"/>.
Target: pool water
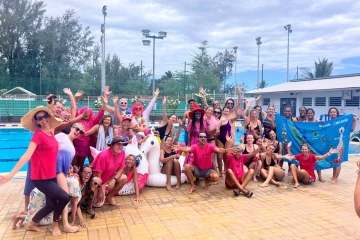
<point x="14" y="142"/>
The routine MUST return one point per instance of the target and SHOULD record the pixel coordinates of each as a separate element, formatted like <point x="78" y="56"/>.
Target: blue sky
<point x="321" y="29"/>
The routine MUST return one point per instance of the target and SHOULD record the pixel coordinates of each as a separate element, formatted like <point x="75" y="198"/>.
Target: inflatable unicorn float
<point x="151" y="148"/>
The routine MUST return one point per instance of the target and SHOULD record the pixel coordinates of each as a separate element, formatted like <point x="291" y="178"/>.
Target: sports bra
<point x="272" y="163"/>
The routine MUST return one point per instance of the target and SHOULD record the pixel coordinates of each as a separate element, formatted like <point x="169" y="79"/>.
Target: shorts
<point x="202" y="173"/>
<point x="29" y="186"/>
<point x="232" y="185"/>
<point x="82" y="148"/>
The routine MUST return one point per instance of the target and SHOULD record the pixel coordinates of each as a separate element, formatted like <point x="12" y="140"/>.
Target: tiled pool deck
<point x="319" y="211"/>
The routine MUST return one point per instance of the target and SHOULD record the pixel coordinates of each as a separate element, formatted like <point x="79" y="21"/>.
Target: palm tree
<point x="322" y="69"/>
<point x="263" y="84"/>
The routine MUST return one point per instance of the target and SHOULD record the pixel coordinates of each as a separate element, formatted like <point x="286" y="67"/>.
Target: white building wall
<point x="319" y="110"/>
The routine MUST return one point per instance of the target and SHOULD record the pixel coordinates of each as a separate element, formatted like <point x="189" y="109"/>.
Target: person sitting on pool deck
<point x="202" y="166"/>
<point x="307" y="164"/>
<point x="109" y="166"/>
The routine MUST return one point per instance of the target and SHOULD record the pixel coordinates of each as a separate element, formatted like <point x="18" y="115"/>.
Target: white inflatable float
<point x="142" y="167"/>
<point x="151" y="147"/>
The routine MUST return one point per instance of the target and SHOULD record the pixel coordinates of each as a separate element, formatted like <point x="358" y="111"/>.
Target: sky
<point x="320" y="29"/>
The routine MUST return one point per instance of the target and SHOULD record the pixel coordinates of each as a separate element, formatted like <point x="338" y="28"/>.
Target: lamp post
<point x="288" y="29"/>
<point x="146" y="34"/>
<point x="235" y="50"/>
<point x="258" y="42"/>
<point x="40" y="64"/>
<point x="102" y="40"/>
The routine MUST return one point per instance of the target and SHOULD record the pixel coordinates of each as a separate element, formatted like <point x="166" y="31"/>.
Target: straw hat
<point x="196" y="109"/>
<point x="28" y="122"/>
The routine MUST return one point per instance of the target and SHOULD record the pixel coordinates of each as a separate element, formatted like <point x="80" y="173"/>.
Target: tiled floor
<point x="319" y="211"/>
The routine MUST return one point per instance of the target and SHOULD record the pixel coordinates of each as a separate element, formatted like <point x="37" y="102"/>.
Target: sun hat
<point x="119" y="139"/>
<point x="28" y="122"/>
<point x="196" y="108"/>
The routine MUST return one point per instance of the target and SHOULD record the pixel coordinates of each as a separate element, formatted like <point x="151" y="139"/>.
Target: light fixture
<point x="146" y="42"/>
<point x="162" y="34"/>
<point x="235" y="48"/>
<point x="146" y="32"/>
<point x="104" y="10"/>
<point x="102" y="28"/>
<point x="258" y="40"/>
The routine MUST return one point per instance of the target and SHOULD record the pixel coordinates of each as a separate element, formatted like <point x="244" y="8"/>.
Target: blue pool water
<point x="14" y="142"/>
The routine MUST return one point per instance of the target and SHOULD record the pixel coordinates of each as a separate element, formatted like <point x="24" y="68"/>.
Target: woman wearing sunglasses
<point x="42" y="151"/>
<point x="109" y="166"/>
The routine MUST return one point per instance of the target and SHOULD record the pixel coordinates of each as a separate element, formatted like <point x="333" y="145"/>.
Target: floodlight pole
<point x="235" y="50"/>
<point x="102" y="40"/>
<point x="161" y="35"/>
<point x="40" y="72"/>
<point x="289" y="30"/>
<point x="258" y="42"/>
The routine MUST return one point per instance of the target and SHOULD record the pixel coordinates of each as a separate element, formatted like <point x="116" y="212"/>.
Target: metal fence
<point x="13" y="107"/>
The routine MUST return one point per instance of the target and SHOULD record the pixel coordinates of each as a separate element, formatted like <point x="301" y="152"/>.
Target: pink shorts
<point x="82" y="148"/>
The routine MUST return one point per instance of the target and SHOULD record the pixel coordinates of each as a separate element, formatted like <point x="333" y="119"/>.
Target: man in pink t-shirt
<point x="202" y="166"/>
<point x="236" y="176"/>
<point x="109" y="166"/>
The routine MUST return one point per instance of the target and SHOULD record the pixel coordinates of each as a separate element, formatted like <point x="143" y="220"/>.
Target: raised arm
<point x="331" y="151"/>
<point x="182" y="149"/>
<point x="176" y="139"/>
<point x="68" y="92"/>
<point x="239" y="89"/>
<point x="164" y="116"/>
<point x="356" y="118"/>
<point x="65" y="125"/>
<point x="116" y="110"/>
<point x="147" y="111"/>
<point x="203" y="93"/>
<point x="93" y="130"/>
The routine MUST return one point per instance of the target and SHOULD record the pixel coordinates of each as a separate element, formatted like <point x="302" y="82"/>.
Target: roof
<point x="319" y="84"/>
<point x="19" y="91"/>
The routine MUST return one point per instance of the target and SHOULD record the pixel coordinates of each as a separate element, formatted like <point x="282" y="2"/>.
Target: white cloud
<point x="321" y="29"/>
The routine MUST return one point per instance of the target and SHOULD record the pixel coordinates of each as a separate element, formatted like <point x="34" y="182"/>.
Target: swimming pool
<point x="14" y="142"/>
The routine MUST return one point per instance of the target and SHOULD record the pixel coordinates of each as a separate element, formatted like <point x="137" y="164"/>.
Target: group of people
<point x="63" y="137"/>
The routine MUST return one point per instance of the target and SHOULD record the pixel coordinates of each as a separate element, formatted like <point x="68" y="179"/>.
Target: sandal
<point x="249" y="194"/>
<point x="236" y="192"/>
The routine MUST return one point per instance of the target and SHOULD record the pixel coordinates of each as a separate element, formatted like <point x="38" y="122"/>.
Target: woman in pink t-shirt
<point x="307" y="161"/>
<point x="42" y="151"/>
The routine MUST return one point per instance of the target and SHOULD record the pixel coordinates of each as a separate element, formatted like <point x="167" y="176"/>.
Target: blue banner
<point x="320" y="136"/>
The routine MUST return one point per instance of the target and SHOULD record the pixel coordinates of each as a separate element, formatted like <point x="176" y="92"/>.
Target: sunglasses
<point x="87" y="173"/>
<point x="137" y="108"/>
<point x="217" y="112"/>
<point x="123" y="103"/>
<point x="230" y="103"/>
<point x="97" y="185"/>
<point x="121" y="144"/>
<point x="45" y="116"/>
<point x="202" y="137"/>
<point x="79" y="130"/>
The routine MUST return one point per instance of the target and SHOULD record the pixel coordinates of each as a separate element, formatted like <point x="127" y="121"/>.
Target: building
<point x="342" y="92"/>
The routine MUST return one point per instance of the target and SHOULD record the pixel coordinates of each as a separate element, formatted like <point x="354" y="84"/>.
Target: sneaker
<point x="236" y="192"/>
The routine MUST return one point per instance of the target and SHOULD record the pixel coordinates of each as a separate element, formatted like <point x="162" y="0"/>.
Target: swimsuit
<point x="251" y="159"/>
<point x="272" y="163"/>
<point x="267" y="127"/>
<point x="162" y="130"/>
<point x="224" y="130"/>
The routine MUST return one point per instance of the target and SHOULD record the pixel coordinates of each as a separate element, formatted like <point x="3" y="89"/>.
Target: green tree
<point x="323" y="68"/>
<point x="202" y="71"/>
<point x="222" y="66"/>
<point x="263" y="84"/>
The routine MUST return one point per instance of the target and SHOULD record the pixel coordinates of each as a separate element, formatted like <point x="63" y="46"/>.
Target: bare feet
<point x="55" y="230"/>
<point x="215" y="183"/>
<point x="333" y="180"/>
<point x="111" y="201"/>
<point x="321" y="179"/>
<point x="278" y="184"/>
<point x="264" y="185"/>
<point x="178" y="186"/>
<point x="296" y="185"/>
<point x="15" y="218"/>
<point x="83" y="224"/>
<point x="71" y="229"/>
<point x="255" y="179"/>
<point x="207" y="184"/>
<point x="192" y="188"/>
<point x="169" y="188"/>
<point x="289" y="173"/>
<point x="32" y="227"/>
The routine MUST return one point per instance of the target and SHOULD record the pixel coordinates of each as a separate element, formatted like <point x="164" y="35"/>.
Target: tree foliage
<point x="263" y="84"/>
<point x="323" y="68"/>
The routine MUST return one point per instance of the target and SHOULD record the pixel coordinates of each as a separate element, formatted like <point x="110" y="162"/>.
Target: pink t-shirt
<point x="194" y="135"/>
<point x="43" y="160"/>
<point x="308" y="164"/>
<point x="202" y="156"/>
<point x="107" y="164"/>
<point x="237" y="165"/>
